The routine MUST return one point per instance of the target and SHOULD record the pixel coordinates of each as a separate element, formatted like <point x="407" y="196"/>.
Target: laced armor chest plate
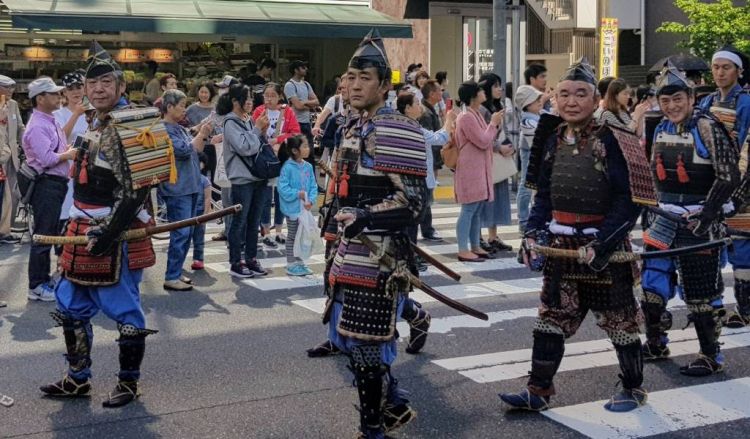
<point x="679" y="170"/>
<point x="579" y="184"/>
<point x="364" y="185"/>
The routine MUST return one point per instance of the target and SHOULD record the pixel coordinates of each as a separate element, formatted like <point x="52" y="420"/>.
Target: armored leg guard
<point x="397" y="412"/>
<point x="632" y="395"/>
<point x="741" y="317"/>
<point x="546" y="356"/>
<point x="419" y="324"/>
<point x="78" y="337"/>
<point x="708" y="329"/>
<point x="369" y="375"/>
<point x="132" y="343"/>
<point x="658" y="321"/>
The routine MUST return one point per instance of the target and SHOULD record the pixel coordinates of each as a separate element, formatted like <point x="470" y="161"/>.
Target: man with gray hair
<point x="11" y="131"/>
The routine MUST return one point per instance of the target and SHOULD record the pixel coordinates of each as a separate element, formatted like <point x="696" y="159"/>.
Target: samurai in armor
<point x="695" y="167"/>
<point x="105" y="274"/>
<point x="584" y="201"/>
<point x="730" y="104"/>
<point x="417" y="318"/>
<point x="380" y="185"/>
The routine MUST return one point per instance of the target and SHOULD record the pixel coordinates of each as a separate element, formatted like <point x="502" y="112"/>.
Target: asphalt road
<point x="229" y="362"/>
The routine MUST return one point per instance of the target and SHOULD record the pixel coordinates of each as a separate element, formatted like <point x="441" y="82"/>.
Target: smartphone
<point x="449" y="104"/>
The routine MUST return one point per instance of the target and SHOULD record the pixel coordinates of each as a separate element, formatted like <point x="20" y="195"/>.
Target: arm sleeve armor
<point x="725" y="162"/>
<point x="403" y="207"/>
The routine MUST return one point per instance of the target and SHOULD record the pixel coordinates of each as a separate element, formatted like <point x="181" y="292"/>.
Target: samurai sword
<point x="137" y="234"/>
<point x="619" y="257"/>
<point x="682" y="221"/>
<point x="417" y="282"/>
<point x="435" y="263"/>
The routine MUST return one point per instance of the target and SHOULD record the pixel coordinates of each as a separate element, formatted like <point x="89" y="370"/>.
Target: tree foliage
<point x="711" y="25"/>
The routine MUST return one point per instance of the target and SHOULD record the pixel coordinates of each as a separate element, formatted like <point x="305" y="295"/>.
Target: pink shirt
<point x="43" y="142"/>
<point x="473" y="179"/>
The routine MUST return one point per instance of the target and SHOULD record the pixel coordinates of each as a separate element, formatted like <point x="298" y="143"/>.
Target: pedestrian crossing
<point x="502" y="281"/>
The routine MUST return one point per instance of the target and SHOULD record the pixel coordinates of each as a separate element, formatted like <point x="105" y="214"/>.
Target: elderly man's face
<point x="104" y="91"/>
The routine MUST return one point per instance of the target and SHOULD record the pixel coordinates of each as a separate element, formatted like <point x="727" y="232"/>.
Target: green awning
<point x="309" y="19"/>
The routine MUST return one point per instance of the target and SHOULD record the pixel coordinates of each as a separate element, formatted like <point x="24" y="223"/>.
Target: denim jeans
<point x="523" y="197"/>
<point x="467" y="227"/>
<point x="199" y="235"/>
<point x="278" y="217"/>
<point x="226" y="201"/>
<point x="179" y="208"/>
<point x="46" y="203"/>
<point x="245" y="224"/>
<point x="426" y="224"/>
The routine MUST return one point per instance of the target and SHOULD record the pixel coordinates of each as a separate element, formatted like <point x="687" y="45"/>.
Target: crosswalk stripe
<point x="666" y="411"/>
<point x="500" y="366"/>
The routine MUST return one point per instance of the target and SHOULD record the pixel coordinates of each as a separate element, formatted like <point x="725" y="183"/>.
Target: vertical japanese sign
<point x="608" y="48"/>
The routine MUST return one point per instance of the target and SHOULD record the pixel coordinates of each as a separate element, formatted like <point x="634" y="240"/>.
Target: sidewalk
<point x="444" y="190"/>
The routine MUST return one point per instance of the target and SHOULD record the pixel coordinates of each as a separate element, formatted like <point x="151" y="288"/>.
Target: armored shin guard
<point x="369" y="375"/>
<point x="708" y="328"/>
<point x="546" y="356"/>
<point x="78" y="339"/>
<point x="658" y="322"/>
<point x="132" y="343"/>
<point x="630" y="358"/>
<point x="419" y="324"/>
<point x="741" y="317"/>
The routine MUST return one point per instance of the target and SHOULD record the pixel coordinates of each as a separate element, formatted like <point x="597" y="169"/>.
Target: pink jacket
<point x="473" y="179"/>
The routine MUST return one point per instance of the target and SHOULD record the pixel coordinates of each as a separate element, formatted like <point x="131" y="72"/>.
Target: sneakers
<point x="67" y="387"/>
<point x="433" y="238"/>
<point x="298" y="270"/>
<point x="268" y="242"/>
<point x="197" y="265"/>
<point x="627" y="400"/>
<point x="280" y="238"/>
<point x="10" y="239"/>
<point x="525" y="400"/>
<point x="177" y="285"/>
<point x="255" y="267"/>
<point x="241" y="271"/>
<point x="219" y="237"/>
<point x="42" y="292"/>
<point x="499" y="245"/>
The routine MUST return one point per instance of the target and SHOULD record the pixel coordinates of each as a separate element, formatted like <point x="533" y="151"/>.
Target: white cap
<point x="45" y="84"/>
<point x="6" y="81"/>
<point x="525" y="95"/>
<point x="226" y="81"/>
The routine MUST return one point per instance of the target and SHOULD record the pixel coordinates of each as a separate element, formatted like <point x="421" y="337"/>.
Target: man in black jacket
<point x="430" y="120"/>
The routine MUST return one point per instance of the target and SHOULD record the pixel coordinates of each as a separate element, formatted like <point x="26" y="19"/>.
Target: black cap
<point x="72" y="78"/>
<point x="100" y="62"/>
<point x="671" y="81"/>
<point x="580" y="71"/>
<point x="370" y="53"/>
<point x="294" y="65"/>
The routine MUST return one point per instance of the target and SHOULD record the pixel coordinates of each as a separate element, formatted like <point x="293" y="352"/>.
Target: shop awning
<point x="309" y="19"/>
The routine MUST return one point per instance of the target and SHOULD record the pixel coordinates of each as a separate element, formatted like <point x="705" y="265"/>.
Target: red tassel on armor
<point x="682" y="175"/>
<point x="83" y="175"/>
<point x="661" y="173"/>
<point x="344" y="182"/>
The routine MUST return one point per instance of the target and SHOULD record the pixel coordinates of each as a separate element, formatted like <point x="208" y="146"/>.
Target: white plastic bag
<point x="307" y="242"/>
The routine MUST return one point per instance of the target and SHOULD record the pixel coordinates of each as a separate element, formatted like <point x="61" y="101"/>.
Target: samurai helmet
<point x="671" y="81"/>
<point x="371" y="53"/>
<point x="100" y="62"/>
<point x="581" y="70"/>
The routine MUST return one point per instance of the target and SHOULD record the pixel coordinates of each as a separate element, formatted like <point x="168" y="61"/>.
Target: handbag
<point x="27" y="178"/>
<point x="263" y="165"/>
<point x="503" y="167"/>
<point x="449" y="153"/>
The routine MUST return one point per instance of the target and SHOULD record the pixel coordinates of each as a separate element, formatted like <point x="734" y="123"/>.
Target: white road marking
<point x="500" y="366"/>
<point x="666" y="411"/>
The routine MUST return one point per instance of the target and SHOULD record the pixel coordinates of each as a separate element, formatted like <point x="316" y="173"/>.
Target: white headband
<point x="724" y="54"/>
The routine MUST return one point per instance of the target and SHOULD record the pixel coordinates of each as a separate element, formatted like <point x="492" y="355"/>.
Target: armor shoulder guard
<point x="642" y="187"/>
<point x="399" y="145"/>
<point x="548" y="124"/>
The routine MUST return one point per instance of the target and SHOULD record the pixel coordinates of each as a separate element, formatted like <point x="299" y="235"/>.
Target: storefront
<point x="187" y="37"/>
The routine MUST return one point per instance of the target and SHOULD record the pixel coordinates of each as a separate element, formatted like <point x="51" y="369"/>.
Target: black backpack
<point x="263" y="165"/>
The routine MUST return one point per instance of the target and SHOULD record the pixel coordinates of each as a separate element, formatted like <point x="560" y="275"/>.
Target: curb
<point x="444" y="193"/>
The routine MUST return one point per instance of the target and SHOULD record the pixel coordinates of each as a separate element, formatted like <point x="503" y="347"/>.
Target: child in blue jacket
<point x="297" y="189"/>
